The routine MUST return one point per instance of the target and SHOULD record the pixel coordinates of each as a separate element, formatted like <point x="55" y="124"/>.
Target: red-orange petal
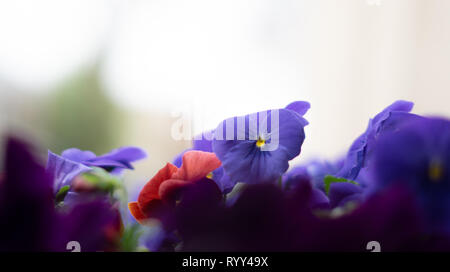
<point x="170" y="187"/>
<point x="136" y="212"/>
<point x="196" y="165"/>
<point x="151" y="189"/>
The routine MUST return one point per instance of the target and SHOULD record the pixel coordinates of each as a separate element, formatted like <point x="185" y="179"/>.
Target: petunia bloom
<point x="161" y="191"/>
<point x="257" y="147"/>
<point x="417" y="157"/>
<point x="73" y="162"/>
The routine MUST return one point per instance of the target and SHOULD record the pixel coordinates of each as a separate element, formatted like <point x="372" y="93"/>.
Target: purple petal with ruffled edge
<point x="63" y="170"/>
<point x="356" y="156"/>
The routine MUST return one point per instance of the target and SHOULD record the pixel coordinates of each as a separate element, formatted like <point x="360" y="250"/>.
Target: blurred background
<point x="99" y="74"/>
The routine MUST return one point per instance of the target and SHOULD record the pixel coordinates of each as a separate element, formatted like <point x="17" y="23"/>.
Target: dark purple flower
<point x="341" y="193"/>
<point x="300" y="176"/>
<point x="390" y="218"/>
<point x="73" y="162"/>
<point x="27" y="207"/>
<point x="95" y="224"/>
<point x="386" y="120"/>
<point x="29" y="220"/>
<point x="417" y="156"/>
<point x="264" y="218"/>
<point x="314" y="174"/>
<point x="257" y="147"/>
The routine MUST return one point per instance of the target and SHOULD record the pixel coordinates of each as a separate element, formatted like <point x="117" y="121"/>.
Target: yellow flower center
<point x="435" y="171"/>
<point x="210" y="175"/>
<point x="261" y="142"/>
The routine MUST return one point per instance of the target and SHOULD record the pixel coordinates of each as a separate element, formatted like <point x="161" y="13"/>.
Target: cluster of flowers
<point x="230" y="193"/>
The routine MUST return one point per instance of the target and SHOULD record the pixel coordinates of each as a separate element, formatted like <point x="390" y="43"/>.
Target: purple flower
<point x="115" y="160"/>
<point x="315" y="171"/>
<point x="300" y="176"/>
<point x="257" y="147"/>
<point x="417" y="156"/>
<point x="73" y="162"/>
<point x="29" y="220"/>
<point x="264" y="218"/>
<point x="387" y="120"/>
<point x="341" y="193"/>
<point x="314" y="174"/>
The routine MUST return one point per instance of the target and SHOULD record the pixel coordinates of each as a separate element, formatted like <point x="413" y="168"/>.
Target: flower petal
<point x="244" y="161"/>
<point x="300" y="107"/>
<point x="136" y="212"/>
<point x="121" y="157"/>
<point x="108" y="163"/>
<point x="151" y="189"/>
<point x="357" y="154"/>
<point x="223" y="181"/>
<point x="318" y="200"/>
<point x="77" y="155"/>
<point x="170" y="188"/>
<point x="342" y="192"/>
<point x="178" y="160"/>
<point x="202" y="142"/>
<point x="196" y="165"/>
<point x="63" y="170"/>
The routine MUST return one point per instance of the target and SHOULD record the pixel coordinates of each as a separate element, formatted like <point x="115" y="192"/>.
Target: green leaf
<point x="130" y="238"/>
<point x="62" y="194"/>
<point x="332" y="179"/>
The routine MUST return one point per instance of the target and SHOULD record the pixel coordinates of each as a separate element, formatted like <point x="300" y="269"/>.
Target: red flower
<point x="164" y="186"/>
